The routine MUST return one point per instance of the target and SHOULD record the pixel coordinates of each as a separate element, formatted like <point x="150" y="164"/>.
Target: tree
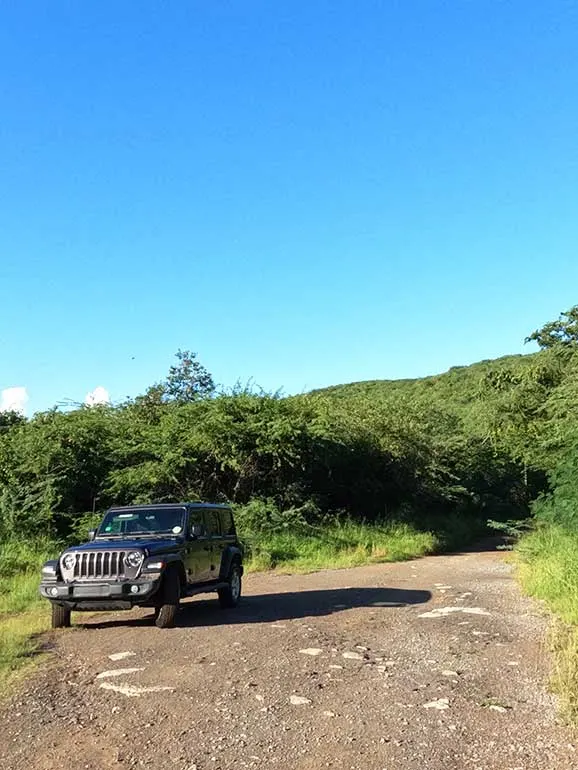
<point x="188" y="380"/>
<point x="563" y="332"/>
<point x="10" y="419"/>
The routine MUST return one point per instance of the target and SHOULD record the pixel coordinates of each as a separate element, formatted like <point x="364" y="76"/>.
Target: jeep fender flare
<point x="175" y="562"/>
<point x="231" y="555"/>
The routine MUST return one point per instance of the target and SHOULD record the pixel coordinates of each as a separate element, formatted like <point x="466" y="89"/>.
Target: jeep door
<point x="213" y="526"/>
<point x="228" y="532"/>
<point x="198" y="557"/>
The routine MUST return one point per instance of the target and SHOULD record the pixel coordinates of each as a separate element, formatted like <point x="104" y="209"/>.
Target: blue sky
<point x="303" y="193"/>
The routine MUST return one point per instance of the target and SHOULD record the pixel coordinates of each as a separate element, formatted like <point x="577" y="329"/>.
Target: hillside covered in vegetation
<point x="475" y="443"/>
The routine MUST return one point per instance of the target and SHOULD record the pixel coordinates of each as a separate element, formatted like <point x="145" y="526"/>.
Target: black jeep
<point x="151" y="556"/>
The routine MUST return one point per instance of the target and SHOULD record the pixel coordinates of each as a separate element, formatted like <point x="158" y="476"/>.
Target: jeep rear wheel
<point x="60" y="616"/>
<point x="230" y="595"/>
<point x="166" y="612"/>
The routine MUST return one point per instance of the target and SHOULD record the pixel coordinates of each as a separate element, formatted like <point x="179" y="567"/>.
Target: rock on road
<point x="437" y="663"/>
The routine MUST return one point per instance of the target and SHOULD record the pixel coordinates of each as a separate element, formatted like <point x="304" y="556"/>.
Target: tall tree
<point x="188" y="380"/>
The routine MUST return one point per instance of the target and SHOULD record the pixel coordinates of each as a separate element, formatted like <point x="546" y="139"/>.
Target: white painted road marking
<point x="298" y="700"/>
<point x="118" y="672"/>
<point x="121" y="655"/>
<point x="131" y="691"/>
<point x="442" y="612"/>
<point x="441" y="704"/>
<point x="311" y="651"/>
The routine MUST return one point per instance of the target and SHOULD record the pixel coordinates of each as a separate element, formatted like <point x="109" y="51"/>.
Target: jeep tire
<point x="166" y="612"/>
<point x="60" y="616"/>
<point x="229" y="596"/>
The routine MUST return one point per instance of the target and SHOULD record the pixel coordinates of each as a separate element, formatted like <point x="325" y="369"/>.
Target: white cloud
<point x="97" y="396"/>
<point x="13" y="399"/>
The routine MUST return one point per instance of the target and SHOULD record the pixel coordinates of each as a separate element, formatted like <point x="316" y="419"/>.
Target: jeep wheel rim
<point x="235" y="585"/>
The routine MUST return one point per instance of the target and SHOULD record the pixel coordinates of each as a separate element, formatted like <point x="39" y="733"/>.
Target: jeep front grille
<point x="99" y="565"/>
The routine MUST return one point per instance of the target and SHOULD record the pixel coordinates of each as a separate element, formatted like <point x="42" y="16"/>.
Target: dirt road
<point x="437" y="663"/>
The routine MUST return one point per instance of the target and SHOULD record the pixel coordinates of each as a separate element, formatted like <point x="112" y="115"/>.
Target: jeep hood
<point x="150" y="545"/>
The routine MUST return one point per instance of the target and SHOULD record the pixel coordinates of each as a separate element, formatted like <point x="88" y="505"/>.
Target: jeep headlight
<point x="134" y="559"/>
<point x="69" y="561"/>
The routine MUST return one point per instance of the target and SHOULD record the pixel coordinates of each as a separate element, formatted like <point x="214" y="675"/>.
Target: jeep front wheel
<point x="166" y="613"/>
<point x="229" y="596"/>
<point x="60" y="616"/>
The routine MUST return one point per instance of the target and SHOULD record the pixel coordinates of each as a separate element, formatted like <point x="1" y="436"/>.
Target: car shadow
<point x="269" y="608"/>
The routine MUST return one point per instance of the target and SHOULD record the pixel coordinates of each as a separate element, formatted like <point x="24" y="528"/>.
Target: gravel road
<point x="437" y="663"/>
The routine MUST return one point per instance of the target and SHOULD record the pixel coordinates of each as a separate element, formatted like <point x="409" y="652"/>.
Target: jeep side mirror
<point x="196" y="531"/>
<point x="91" y="534"/>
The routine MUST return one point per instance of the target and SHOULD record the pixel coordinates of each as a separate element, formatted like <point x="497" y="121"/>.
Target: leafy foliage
<point x="451" y="451"/>
<point x="562" y="332"/>
<point x="188" y="380"/>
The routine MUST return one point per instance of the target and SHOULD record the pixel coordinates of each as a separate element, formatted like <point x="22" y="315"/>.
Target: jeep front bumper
<point x="88" y="595"/>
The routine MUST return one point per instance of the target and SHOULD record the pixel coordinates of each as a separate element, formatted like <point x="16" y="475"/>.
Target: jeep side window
<point x="227" y="527"/>
<point x="212" y="524"/>
<point x="196" y="519"/>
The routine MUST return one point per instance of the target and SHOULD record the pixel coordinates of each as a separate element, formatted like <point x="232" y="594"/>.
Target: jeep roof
<point x="169" y="505"/>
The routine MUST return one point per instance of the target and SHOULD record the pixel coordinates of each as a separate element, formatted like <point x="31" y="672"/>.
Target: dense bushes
<point x="560" y="506"/>
<point x="306" y="456"/>
<point x="474" y="444"/>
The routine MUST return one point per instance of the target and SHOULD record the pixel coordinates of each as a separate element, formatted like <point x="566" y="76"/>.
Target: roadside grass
<point x="19" y="643"/>
<point x="548" y="570"/>
<point x="23" y="615"/>
<point x="338" y="546"/>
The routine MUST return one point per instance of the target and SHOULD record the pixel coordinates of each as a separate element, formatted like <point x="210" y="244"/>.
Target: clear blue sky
<point x="303" y="193"/>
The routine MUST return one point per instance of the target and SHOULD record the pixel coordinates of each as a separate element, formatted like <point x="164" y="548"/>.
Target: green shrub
<point x="80" y="526"/>
<point x="20" y="564"/>
<point x="264" y="516"/>
<point x="560" y="507"/>
<point x="342" y="544"/>
<point x="21" y="556"/>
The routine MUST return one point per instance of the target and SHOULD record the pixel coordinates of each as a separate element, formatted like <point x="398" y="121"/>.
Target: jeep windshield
<point x="146" y="521"/>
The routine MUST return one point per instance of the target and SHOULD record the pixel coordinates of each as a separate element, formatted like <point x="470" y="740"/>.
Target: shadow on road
<point x="493" y="543"/>
<point x="269" y="608"/>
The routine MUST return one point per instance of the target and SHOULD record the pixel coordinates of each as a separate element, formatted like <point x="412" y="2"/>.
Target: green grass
<point x="341" y="545"/>
<point x="23" y="615"/>
<point x="548" y="570"/>
<point x="20" y="643"/>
